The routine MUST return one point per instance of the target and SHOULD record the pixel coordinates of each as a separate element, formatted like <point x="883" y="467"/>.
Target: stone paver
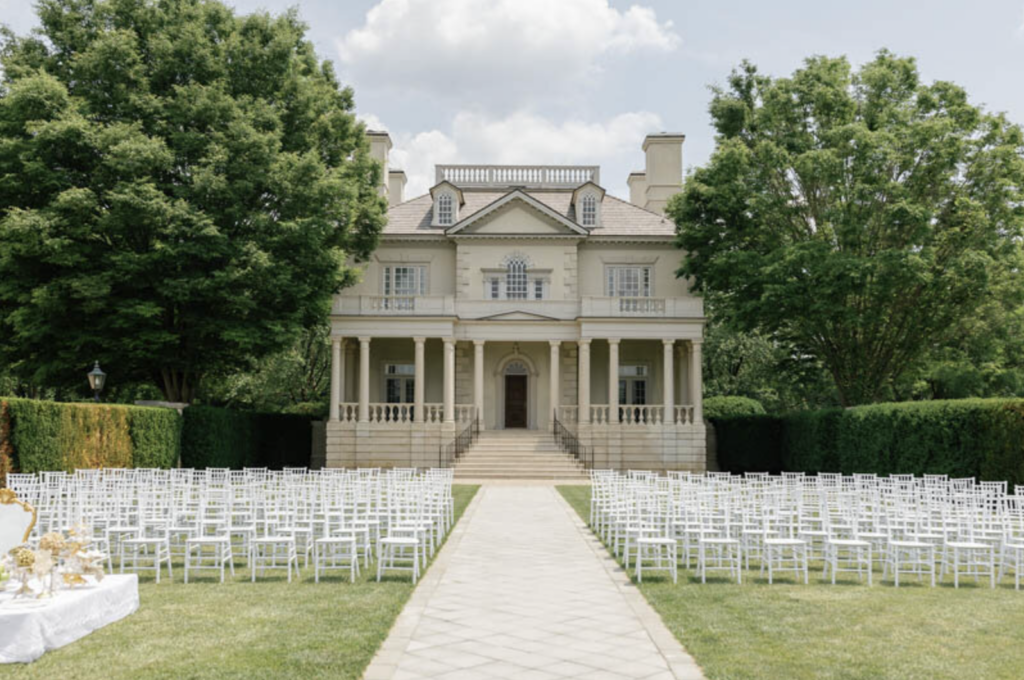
<point x="523" y="590"/>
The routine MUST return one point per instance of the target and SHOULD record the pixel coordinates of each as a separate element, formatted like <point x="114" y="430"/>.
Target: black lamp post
<point x="97" y="378"/>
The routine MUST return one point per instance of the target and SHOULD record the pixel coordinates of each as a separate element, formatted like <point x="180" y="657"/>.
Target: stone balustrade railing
<point x="569" y="415"/>
<point x="348" y="412"/>
<point x="449" y="305"/>
<point x="530" y="176"/>
<point x="647" y="415"/>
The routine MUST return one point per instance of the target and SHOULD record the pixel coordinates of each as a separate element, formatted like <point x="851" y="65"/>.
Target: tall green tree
<point x="858" y="216"/>
<point x="180" y="189"/>
<point x="295" y="380"/>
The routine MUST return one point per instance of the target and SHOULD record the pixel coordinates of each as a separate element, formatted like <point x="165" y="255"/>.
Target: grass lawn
<point x="792" y="631"/>
<point x="267" y="629"/>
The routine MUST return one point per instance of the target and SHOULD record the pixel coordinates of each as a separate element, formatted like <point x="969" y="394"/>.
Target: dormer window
<point x="447" y="201"/>
<point x="446" y="209"/>
<point x="588" y="212"/>
<point x="586" y="199"/>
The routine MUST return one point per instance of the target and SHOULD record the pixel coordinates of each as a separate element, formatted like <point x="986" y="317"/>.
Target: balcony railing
<point x="641" y="307"/>
<point x="555" y="309"/>
<point x="394" y="305"/>
<point x="449" y="305"/>
<point x="531" y="176"/>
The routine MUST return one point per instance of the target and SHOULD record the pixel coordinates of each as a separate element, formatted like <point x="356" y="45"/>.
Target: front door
<point x="515" y="401"/>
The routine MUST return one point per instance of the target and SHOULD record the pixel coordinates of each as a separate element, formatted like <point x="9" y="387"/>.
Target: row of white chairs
<point x="338" y="519"/>
<point x="901" y="525"/>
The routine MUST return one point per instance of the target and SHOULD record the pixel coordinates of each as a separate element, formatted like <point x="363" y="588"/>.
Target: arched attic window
<point x="515" y="278"/>
<point x="588" y="210"/>
<point x="446" y="209"/>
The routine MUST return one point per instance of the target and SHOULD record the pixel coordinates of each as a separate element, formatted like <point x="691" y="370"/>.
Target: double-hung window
<point x="633" y="384"/>
<point x="402" y="283"/>
<point x="628" y="281"/>
<point x="399" y="388"/>
<point x="588" y="211"/>
<point x="399" y="383"/>
<point x="446" y="209"/>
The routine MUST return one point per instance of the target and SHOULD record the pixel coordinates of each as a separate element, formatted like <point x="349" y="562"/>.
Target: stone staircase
<point x="517" y="454"/>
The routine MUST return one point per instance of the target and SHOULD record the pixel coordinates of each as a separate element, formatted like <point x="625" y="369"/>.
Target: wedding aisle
<point x="523" y="590"/>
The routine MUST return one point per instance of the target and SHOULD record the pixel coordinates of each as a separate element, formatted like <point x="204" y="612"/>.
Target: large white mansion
<point x="516" y="294"/>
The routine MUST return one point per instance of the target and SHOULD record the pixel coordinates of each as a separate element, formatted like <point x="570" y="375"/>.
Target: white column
<point x="364" y="380"/>
<point x="613" y="380"/>
<point x="449" y="380"/>
<point x="418" y="382"/>
<point x="555" y="382"/>
<point x="336" y="378"/>
<point x="584" y="381"/>
<point x="668" y="377"/>
<point x="478" y="378"/>
<point x="696" y="386"/>
<point x="683" y="360"/>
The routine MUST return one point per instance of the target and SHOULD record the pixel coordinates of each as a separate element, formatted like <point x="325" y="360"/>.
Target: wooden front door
<point x="515" y="401"/>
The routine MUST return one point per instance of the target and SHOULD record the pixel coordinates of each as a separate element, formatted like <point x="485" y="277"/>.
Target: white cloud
<point x="525" y="137"/>
<point x="507" y="48"/>
<point x="371" y="122"/>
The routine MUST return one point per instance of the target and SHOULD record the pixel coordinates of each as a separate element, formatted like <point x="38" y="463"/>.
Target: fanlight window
<point x="516" y="368"/>
<point x="445" y="209"/>
<point x="516" y="279"/>
<point x="588" y="211"/>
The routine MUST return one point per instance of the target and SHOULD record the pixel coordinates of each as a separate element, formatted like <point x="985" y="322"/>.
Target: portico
<point x="416" y="392"/>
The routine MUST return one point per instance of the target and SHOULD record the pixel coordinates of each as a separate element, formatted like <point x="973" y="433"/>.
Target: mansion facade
<point x="512" y="296"/>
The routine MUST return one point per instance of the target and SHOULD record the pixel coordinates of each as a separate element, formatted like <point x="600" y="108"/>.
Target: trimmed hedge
<point x="721" y="407"/>
<point x="218" y="437"/>
<point x="45" y="435"/>
<point x="982" y="438"/>
<point x="749" y="443"/>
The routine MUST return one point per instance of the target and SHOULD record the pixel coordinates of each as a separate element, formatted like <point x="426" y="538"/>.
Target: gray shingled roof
<point x="618" y="218"/>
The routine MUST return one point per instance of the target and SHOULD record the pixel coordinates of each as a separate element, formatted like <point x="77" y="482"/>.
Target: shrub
<point x="43" y="435"/>
<point x="749" y="443"/>
<point x="36" y="434"/>
<point x="156" y="437"/>
<point x="809" y="441"/>
<point x="217" y="437"/>
<point x="982" y="438"/>
<point x="6" y="447"/>
<point x="722" y="407"/>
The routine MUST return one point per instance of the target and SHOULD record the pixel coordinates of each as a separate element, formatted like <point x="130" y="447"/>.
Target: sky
<point x="583" y="81"/>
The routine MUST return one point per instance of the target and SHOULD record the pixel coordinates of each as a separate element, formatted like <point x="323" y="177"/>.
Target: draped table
<point x="29" y="627"/>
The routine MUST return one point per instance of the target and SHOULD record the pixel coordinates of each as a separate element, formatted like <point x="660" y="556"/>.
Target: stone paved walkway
<point x="523" y="590"/>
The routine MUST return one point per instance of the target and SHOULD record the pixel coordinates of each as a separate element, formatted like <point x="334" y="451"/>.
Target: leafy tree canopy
<point x="180" y="189"/>
<point x="858" y="216"/>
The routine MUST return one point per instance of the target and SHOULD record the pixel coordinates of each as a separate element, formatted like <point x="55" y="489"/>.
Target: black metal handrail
<point x="569" y="443"/>
<point x="448" y="454"/>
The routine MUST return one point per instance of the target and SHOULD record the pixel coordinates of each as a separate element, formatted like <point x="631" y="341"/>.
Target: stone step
<point x="527" y="459"/>
<point x="518" y="477"/>
<point x="527" y="449"/>
<point x="517" y="455"/>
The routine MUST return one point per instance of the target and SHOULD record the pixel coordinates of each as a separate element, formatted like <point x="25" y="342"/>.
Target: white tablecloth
<point x="30" y="628"/>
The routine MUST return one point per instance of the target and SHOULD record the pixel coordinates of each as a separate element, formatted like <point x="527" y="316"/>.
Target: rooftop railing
<point x="530" y="176"/>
